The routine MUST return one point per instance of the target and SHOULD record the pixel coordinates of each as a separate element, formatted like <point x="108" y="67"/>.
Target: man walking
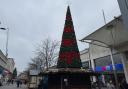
<point x="18" y="83"/>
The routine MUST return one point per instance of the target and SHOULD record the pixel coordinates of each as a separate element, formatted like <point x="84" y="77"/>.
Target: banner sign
<point x="119" y="67"/>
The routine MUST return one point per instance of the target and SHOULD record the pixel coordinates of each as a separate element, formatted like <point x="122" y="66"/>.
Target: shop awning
<point x="6" y="71"/>
<point x="110" y="35"/>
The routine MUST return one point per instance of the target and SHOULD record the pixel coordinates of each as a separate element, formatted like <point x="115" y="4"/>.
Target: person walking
<point x="0" y="82"/>
<point x="124" y="84"/>
<point x="12" y="81"/>
<point x="8" y="81"/>
<point x="110" y="85"/>
<point x="45" y="82"/>
<point x="18" y="83"/>
<point x="40" y="86"/>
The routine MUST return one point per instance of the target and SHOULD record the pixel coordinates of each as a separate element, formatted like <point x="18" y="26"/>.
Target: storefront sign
<point x="109" y="68"/>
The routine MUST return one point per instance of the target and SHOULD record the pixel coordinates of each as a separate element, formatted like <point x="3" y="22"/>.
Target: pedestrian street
<point x="12" y="87"/>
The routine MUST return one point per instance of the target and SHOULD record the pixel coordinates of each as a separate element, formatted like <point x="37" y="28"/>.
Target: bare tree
<point x="46" y="55"/>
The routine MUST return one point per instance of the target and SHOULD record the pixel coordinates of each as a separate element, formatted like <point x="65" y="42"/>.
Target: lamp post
<point x="7" y="42"/>
<point x="7" y="38"/>
<point x="2" y="28"/>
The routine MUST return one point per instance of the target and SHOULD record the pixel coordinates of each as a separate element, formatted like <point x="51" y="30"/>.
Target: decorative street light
<point x="7" y="42"/>
<point x="6" y="39"/>
<point x="3" y="28"/>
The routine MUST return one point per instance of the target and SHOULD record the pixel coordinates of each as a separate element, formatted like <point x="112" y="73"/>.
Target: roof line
<point x="107" y="46"/>
<point x="103" y="26"/>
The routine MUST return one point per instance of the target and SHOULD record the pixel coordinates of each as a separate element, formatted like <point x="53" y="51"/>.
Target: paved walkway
<point x="12" y="87"/>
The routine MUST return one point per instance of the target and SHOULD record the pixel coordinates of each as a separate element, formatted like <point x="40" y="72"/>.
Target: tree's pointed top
<point x="68" y="14"/>
<point x="68" y="7"/>
<point x="68" y="10"/>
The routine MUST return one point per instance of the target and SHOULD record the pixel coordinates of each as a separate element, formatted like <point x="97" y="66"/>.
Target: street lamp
<point x="3" y="28"/>
<point x="6" y="40"/>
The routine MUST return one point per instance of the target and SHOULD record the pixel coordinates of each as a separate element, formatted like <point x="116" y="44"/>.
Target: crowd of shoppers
<point x="18" y="82"/>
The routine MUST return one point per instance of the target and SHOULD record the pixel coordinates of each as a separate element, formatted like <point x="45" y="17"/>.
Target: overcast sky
<point x="31" y="21"/>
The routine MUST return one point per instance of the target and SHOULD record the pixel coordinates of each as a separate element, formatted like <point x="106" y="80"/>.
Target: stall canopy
<point x="110" y="35"/>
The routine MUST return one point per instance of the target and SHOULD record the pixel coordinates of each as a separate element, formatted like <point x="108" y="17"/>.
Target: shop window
<point x="85" y="65"/>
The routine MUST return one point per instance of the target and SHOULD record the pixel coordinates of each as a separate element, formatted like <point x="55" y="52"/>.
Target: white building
<point x="85" y="58"/>
<point x="3" y="62"/>
<point x="11" y="64"/>
<point x="107" y="40"/>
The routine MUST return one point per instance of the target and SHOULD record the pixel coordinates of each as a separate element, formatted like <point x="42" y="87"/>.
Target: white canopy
<point x="111" y="35"/>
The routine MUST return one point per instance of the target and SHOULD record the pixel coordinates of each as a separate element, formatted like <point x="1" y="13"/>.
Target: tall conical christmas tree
<point x="69" y="56"/>
<point x="15" y="73"/>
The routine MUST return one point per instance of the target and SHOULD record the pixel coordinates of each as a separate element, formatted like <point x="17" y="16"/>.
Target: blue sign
<point x="109" y="68"/>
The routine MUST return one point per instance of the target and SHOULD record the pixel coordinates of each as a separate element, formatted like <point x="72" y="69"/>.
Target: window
<point x="85" y="65"/>
<point x="104" y="61"/>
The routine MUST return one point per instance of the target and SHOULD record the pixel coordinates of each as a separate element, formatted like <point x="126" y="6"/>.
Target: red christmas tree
<point x="69" y="56"/>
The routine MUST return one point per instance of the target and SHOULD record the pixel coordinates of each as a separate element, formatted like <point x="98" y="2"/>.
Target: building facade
<point x="6" y="66"/>
<point x="3" y="62"/>
<point x="109" y="43"/>
<point x="11" y="64"/>
<point x="85" y="58"/>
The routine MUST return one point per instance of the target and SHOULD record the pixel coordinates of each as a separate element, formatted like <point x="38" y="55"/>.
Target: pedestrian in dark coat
<point x="125" y="85"/>
<point x="0" y="83"/>
<point x="18" y="82"/>
<point x="40" y="86"/>
<point x="45" y="82"/>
